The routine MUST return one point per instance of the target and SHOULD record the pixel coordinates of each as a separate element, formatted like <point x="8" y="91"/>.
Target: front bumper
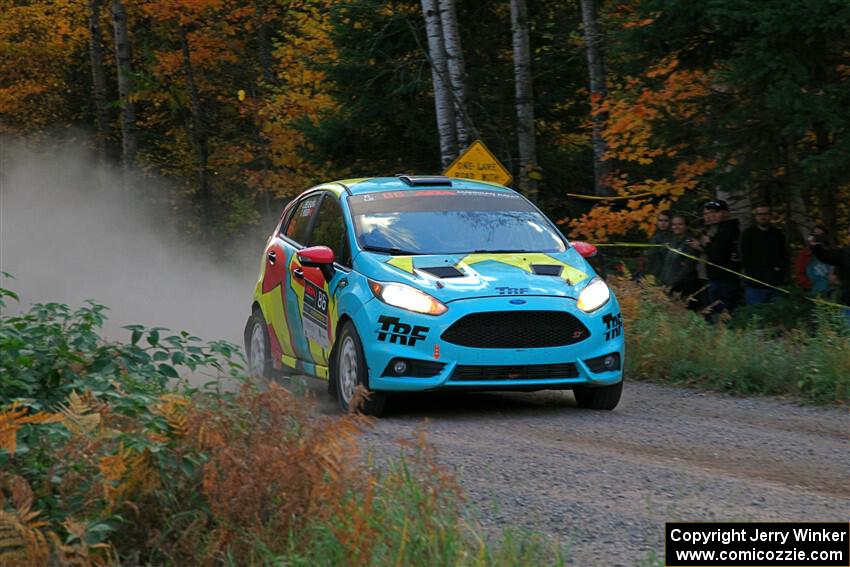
<point x="390" y="334"/>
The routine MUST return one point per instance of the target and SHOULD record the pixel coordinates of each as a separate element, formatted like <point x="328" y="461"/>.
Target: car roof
<point x="379" y="184"/>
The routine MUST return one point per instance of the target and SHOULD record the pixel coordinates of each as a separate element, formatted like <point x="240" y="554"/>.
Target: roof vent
<point x="425" y="180"/>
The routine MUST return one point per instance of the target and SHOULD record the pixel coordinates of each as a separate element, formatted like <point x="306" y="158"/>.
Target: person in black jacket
<point x="719" y="243"/>
<point x="679" y="271"/>
<point x="764" y="256"/>
<point x="840" y="258"/>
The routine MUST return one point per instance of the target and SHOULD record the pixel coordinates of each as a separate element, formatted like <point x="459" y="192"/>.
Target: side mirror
<point x="320" y="257"/>
<point x="585" y="249"/>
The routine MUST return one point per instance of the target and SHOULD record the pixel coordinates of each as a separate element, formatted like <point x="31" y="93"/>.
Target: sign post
<point x="476" y="162"/>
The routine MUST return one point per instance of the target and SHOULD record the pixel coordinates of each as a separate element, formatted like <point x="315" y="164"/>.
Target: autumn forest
<point x="243" y="103"/>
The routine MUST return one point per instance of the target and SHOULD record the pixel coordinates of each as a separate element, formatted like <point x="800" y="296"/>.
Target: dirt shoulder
<point x="605" y="482"/>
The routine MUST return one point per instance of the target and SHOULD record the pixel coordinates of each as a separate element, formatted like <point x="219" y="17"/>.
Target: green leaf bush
<point x="807" y="358"/>
<point x="110" y="456"/>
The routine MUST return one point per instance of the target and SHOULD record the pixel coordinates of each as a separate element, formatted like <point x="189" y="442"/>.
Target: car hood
<point x="450" y="277"/>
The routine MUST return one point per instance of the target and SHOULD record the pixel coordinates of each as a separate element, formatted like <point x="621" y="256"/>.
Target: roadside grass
<point x="665" y="341"/>
<point x="108" y="457"/>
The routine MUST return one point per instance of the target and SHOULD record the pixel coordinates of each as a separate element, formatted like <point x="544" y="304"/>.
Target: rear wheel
<point x="350" y="371"/>
<point x="598" y="397"/>
<point x="258" y="347"/>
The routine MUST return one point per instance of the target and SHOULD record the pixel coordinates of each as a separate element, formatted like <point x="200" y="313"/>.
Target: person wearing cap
<point x="719" y="244"/>
<point x="764" y="257"/>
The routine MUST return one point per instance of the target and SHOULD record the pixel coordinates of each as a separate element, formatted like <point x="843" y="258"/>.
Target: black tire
<point x="598" y="397"/>
<point x="257" y="342"/>
<point x="350" y="371"/>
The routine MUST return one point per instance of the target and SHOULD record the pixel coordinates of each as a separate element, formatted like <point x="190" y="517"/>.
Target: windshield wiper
<point x="497" y="251"/>
<point x="392" y="251"/>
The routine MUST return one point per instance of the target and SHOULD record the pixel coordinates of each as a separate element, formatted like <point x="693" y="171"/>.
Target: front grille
<point x="523" y="372"/>
<point x="516" y="329"/>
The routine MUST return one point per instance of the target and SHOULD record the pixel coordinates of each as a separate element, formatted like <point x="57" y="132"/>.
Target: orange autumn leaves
<point x="635" y="108"/>
<point x="38" y="42"/>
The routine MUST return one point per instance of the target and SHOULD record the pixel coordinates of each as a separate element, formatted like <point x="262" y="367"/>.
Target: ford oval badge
<point x="517" y="301"/>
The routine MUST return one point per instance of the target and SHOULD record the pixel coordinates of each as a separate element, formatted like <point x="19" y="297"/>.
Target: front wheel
<point x="598" y="397"/>
<point x="350" y="371"/>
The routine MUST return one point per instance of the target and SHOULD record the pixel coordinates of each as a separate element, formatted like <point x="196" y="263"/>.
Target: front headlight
<point x="406" y="297"/>
<point x="593" y="296"/>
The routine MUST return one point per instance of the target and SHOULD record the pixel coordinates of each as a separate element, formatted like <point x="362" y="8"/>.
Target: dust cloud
<point x="68" y="232"/>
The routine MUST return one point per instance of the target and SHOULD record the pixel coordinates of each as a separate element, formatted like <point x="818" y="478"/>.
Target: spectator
<point x="655" y="255"/>
<point x="840" y="258"/>
<point x="764" y="257"/>
<point x="719" y="243"/>
<point x="679" y="272"/>
<point x="810" y="273"/>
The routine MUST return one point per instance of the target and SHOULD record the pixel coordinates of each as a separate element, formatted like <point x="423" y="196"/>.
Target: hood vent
<point x="443" y="271"/>
<point x="546" y="270"/>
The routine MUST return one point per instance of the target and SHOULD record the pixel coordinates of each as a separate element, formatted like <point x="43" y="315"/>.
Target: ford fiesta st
<point x="423" y="283"/>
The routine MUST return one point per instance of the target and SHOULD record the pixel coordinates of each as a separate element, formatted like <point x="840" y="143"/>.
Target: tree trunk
<point x="598" y="92"/>
<point x="524" y="99"/>
<point x="457" y="71"/>
<point x="439" y="76"/>
<point x="264" y="43"/>
<point x="98" y="79"/>
<point x="124" y="65"/>
<point x="199" y="141"/>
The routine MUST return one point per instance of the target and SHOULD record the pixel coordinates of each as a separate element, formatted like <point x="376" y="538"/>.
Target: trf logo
<point x="400" y="333"/>
<point x="613" y="325"/>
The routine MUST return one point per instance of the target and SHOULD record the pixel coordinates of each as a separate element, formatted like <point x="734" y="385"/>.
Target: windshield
<point x="450" y="222"/>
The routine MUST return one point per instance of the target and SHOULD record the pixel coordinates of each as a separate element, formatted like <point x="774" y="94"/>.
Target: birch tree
<point x="98" y="77"/>
<point x="446" y="122"/>
<point x="598" y="92"/>
<point x="456" y="69"/>
<point x="124" y="66"/>
<point x="524" y="99"/>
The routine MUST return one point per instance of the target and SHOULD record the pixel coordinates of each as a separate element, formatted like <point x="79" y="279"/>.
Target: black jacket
<point x="764" y="256"/>
<point x="655" y="256"/>
<point x="679" y="272"/>
<point x="723" y="250"/>
<point x="840" y="258"/>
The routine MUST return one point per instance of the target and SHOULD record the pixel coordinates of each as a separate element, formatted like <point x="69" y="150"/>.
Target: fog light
<point x="400" y="367"/>
<point x="610" y="362"/>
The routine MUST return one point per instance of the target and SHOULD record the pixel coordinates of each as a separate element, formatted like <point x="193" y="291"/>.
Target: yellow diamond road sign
<point x="478" y="163"/>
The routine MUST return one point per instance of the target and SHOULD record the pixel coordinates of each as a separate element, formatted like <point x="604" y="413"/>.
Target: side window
<point x="330" y="230"/>
<point x="300" y="220"/>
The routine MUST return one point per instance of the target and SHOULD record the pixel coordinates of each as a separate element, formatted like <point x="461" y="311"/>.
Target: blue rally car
<point x="422" y="283"/>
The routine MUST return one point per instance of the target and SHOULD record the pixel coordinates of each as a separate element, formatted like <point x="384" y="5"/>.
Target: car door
<point x="294" y="233"/>
<point x="318" y="302"/>
<point x="275" y="281"/>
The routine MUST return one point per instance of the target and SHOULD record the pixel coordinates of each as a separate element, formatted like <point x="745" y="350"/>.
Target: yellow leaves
<point x="113" y="467"/>
<point x="127" y="474"/>
<point x="78" y="416"/>
<point x="240" y="94"/>
<point x="22" y="541"/>
<point x="13" y="417"/>
<point x="173" y="408"/>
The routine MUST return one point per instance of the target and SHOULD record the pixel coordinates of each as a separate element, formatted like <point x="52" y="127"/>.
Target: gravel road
<point x="605" y="482"/>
